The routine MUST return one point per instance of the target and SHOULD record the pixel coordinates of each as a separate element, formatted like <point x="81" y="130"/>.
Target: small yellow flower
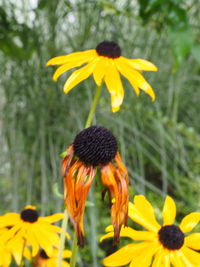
<point x="161" y="245"/>
<point x="106" y="64"/>
<point x="43" y="260"/>
<point x="7" y="250"/>
<point x="27" y="228"/>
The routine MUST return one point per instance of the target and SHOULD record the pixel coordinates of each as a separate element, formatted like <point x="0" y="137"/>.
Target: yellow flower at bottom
<point x="28" y="229"/>
<point x="7" y="250"/>
<point x="106" y="64"/>
<point x="42" y="260"/>
<point x="161" y="245"/>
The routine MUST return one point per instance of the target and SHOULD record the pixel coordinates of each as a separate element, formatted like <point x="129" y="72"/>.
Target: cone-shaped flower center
<point x="171" y="237"/>
<point x="29" y="215"/>
<point x="43" y="254"/>
<point x="95" y="146"/>
<point x="108" y="49"/>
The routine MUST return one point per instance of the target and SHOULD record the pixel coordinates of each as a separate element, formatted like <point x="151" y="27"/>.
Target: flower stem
<point x="93" y="107"/>
<point x="87" y="124"/>
<point x="62" y="238"/>
<point x="74" y="251"/>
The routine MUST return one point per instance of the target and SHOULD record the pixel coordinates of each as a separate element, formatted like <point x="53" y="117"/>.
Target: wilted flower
<point x="94" y="147"/>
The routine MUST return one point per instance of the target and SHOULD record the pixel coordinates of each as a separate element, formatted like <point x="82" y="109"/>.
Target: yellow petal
<point x="193" y="241"/>
<point x="126" y="71"/>
<point x="76" y="56"/>
<point x="190" y="221"/>
<point x="67" y="253"/>
<point x="66" y="67"/>
<point x="129" y="232"/>
<point x="142" y="212"/>
<point x="114" y="85"/>
<point x="31" y="239"/>
<point x="9" y="219"/>
<point x="177" y="258"/>
<point x="100" y="70"/>
<point x="169" y="211"/>
<point x="158" y="259"/>
<point x="78" y="76"/>
<point x="142" y="64"/>
<point x="42" y="239"/>
<point x="52" y="218"/>
<point x="192" y="256"/>
<point x="136" y="78"/>
<point x="144" y="259"/>
<point x="124" y="255"/>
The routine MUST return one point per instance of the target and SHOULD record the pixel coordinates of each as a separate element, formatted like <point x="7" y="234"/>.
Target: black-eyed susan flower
<point x="161" y="245"/>
<point x="94" y="147"/>
<point x="27" y="228"/>
<point x="106" y="64"/>
<point x="9" y="250"/>
<point x="43" y="260"/>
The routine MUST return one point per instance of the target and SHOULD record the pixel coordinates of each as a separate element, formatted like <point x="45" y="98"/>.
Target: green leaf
<point x="196" y="52"/>
<point x="181" y="43"/>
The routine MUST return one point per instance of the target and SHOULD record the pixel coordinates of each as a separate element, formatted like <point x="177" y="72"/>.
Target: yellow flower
<point x="7" y="250"/>
<point x="162" y="245"/>
<point x="106" y="64"/>
<point x="43" y="260"/>
<point x="27" y="228"/>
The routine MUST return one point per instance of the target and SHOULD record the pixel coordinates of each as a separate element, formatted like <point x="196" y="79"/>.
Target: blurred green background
<point x="159" y="142"/>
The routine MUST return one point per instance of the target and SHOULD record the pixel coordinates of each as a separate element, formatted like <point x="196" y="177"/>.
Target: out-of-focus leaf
<point x="181" y="43"/>
<point x="196" y="52"/>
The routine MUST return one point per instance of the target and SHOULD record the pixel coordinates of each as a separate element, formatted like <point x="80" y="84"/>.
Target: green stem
<point x="87" y="124"/>
<point x="93" y="107"/>
<point x="74" y="251"/>
<point x="62" y="238"/>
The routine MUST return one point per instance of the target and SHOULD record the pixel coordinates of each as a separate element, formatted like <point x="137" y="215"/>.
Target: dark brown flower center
<point x="43" y="254"/>
<point x="95" y="146"/>
<point x="171" y="237"/>
<point x="108" y="49"/>
<point x="29" y="215"/>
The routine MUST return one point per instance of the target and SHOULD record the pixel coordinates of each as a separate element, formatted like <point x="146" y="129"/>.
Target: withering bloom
<point x="106" y="64"/>
<point x="160" y="245"/>
<point x="95" y="147"/>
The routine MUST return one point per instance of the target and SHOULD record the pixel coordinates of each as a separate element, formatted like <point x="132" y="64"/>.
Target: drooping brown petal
<point x="116" y="180"/>
<point x="67" y="160"/>
<point x="77" y="183"/>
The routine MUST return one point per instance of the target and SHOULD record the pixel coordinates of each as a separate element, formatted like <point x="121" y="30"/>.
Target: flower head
<point x="28" y="228"/>
<point x="43" y="260"/>
<point x="161" y="245"/>
<point x="106" y="64"/>
<point x="94" y="147"/>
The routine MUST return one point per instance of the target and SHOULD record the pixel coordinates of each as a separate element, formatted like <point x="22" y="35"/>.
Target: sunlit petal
<point x="114" y="85"/>
<point x="141" y="64"/>
<point x="78" y="76"/>
<point x="135" y="77"/>
<point x="142" y="212"/>
<point x="193" y="241"/>
<point x="76" y="56"/>
<point x="124" y="255"/>
<point x="145" y="261"/>
<point x="192" y="256"/>
<point x="190" y="221"/>
<point x="100" y="70"/>
<point x="131" y="233"/>
<point x="169" y="211"/>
